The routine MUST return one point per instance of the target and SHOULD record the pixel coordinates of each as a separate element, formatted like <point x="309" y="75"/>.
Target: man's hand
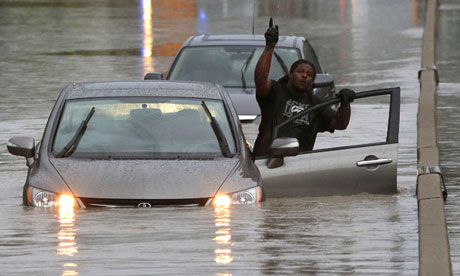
<point x="346" y="95"/>
<point x="271" y="35"/>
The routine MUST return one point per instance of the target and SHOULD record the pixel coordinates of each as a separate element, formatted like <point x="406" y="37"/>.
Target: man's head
<point x="301" y="76"/>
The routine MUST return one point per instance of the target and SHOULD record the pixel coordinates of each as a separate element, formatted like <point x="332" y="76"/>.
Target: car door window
<point x="374" y="119"/>
<point x="368" y="125"/>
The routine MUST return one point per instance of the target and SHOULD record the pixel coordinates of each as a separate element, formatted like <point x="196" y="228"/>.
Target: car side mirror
<point x="22" y="146"/>
<point x="153" y="76"/>
<point x="323" y="80"/>
<point x="280" y="148"/>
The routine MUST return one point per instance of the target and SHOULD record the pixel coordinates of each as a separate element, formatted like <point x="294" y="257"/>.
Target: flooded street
<point x="362" y="44"/>
<point x="448" y="119"/>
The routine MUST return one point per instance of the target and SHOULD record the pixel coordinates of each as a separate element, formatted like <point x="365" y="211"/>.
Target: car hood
<point x="245" y="102"/>
<point x="145" y="179"/>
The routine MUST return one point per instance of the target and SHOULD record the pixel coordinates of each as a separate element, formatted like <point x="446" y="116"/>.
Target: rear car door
<point x="361" y="159"/>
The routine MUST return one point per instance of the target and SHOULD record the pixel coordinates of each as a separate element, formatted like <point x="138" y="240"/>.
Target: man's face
<point x="301" y="79"/>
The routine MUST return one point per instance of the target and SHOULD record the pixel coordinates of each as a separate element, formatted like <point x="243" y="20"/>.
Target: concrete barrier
<point x="434" y="251"/>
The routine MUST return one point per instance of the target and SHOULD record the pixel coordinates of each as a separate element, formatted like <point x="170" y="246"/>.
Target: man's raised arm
<point x="263" y="84"/>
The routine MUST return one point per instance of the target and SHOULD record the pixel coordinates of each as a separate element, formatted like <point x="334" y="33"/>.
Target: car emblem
<point x="144" y="205"/>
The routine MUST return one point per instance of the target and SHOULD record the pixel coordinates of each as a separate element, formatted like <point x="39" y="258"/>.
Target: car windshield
<point x="231" y="66"/>
<point x="149" y="127"/>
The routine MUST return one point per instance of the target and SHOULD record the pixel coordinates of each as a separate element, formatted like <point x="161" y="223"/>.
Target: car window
<point x="368" y="125"/>
<point x="374" y="121"/>
<point x="311" y="56"/>
<point x="228" y="65"/>
<point x="140" y="126"/>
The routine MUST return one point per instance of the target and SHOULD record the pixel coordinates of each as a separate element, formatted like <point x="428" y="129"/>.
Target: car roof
<point x="161" y="88"/>
<point x="240" y="39"/>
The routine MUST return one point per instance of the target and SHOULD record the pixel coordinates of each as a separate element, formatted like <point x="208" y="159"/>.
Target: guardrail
<point x="434" y="251"/>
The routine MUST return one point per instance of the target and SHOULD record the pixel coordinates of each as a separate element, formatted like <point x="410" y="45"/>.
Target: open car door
<point x="361" y="159"/>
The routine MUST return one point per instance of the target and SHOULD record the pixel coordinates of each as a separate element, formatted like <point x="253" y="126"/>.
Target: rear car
<point x="230" y="60"/>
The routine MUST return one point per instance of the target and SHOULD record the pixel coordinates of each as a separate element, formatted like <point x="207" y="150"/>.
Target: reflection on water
<point x="415" y="16"/>
<point x="223" y="235"/>
<point x="146" y="51"/>
<point x="202" y="25"/>
<point x="67" y="245"/>
<point x="69" y="273"/>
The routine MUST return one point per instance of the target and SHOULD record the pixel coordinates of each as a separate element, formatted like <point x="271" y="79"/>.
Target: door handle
<point x="380" y="161"/>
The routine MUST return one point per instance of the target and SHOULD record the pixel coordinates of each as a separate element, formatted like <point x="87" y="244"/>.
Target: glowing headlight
<point x="222" y="200"/>
<point x="41" y="198"/>
<point x="66" y="201"/>
<point x="248" y="196"/>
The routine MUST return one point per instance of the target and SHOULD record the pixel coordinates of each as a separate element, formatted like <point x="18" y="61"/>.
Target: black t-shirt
<point x="281" y="104"/>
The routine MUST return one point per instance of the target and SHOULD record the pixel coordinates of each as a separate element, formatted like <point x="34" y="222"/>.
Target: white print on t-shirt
<point x="293" y="107"/>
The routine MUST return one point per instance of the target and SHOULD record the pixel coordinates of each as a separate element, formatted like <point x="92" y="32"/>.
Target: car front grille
<point x="142" y="203"/>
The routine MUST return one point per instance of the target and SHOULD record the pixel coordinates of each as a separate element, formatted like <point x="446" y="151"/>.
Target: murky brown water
<point x="48" y="44"/>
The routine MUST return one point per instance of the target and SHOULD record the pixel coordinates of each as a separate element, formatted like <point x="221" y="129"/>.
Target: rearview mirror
<point x="323" y="80"/>
<point x="22" y="146"/>
<point x="153" y="76"/>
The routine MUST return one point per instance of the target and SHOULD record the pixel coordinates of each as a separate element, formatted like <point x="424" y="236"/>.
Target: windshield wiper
<point x="223" y="144"/>
<point x="73" y="143"/>
<point x="281" y="62"/>
<point x="244" y="68"/>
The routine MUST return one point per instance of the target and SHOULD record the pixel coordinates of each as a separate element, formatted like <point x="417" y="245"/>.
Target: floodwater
<point x="448" y="118"/>
<point x="46" y="45"/>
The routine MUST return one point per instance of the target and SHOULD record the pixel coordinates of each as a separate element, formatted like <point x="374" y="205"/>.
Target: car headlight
<point x="249" y="196"/>
<point x="40" y="198"/>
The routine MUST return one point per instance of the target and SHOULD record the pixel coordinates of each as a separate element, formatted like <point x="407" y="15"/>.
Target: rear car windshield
<point x="231" y="66"/>
<point x="143" y="127"/>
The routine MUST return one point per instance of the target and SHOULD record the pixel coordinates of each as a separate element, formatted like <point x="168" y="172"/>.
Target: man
<point x="280" y="100"/>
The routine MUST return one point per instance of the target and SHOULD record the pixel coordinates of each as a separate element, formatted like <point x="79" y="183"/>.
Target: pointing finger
<point x="270" y="24"/>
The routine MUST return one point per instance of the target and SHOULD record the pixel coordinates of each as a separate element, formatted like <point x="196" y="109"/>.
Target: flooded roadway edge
<point x="434" y="251"/>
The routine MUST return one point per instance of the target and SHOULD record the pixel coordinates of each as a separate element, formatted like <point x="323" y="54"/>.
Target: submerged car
<point x="230" y="60"/>
<point x="149" y="143"/>
<point x="139" y="144"/>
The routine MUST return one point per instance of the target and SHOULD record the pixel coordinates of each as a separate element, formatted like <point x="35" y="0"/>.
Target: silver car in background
<point x="230" y="60"/>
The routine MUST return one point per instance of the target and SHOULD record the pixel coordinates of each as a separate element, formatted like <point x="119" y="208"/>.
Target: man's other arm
<point x="263" y="84"/>
<point x="342" y="118"/>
